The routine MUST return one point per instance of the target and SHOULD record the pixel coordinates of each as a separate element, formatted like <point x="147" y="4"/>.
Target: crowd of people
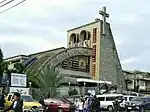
<point x="89" y="103"/>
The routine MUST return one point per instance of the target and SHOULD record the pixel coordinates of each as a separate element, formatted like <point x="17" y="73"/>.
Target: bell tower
<point x="104" y="63"/>
<point x="87" y="36"/>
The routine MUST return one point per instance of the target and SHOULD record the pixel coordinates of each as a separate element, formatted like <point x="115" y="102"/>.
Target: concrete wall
<point x="110" y="67"/>
<point x="74" y="73"/>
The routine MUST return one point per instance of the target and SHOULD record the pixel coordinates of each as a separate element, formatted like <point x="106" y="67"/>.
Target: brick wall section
<point x="110" y="67"/>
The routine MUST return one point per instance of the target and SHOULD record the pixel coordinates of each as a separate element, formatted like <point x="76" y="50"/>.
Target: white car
<point x="106" y="100"/>
<point x="127" y="98"/>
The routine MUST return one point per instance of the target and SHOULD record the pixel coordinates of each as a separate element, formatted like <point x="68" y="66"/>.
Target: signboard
<point x="70" y="53"/>
<point x="18" y="80"/>
<point x="19" y="90"/>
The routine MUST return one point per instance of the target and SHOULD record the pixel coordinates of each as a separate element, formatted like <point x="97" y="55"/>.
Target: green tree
<point x="1" y="63"/>
<point x="147" y="74"/>
<point x="49" y="80"/>
<point x="19" y="68"/>
<point x="1" y="66"/>
<point x="72" y="92"/>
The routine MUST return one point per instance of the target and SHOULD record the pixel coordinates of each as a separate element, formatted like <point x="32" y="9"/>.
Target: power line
<point x="6" y="3"/>
<point x="12" y="7"/>
<point x="3" y="1"/>
<point x="11" y="28"/>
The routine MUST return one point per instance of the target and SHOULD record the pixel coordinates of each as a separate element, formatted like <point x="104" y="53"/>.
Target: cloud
<point x="129" y="60"/>
<point x="26" y="45"/>
<point x="38" y="25"/>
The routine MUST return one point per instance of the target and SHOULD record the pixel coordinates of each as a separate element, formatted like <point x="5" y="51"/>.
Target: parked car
<point x="106" y="100"/>
<point x="139" y="103"/>
<point x="58" y="105"/>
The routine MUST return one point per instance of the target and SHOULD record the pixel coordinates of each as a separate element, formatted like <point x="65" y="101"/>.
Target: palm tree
<point x="49" y="80"/>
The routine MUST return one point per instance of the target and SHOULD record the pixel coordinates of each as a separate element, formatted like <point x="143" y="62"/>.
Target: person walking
<point x="95" y="105"/>
<point x="17" y="105"/>
<point x="80" y="105"/>
<point x="41" y="101"/>
<point x="85" y="104"/>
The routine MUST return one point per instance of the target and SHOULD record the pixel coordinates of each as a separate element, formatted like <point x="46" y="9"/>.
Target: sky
<point x="38" y="25"/>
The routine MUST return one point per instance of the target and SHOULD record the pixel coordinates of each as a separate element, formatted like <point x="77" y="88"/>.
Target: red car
<point x="58" y="105"/>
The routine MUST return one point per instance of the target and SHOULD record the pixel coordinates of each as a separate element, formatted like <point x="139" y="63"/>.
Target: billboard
<point x="18" y="80"/>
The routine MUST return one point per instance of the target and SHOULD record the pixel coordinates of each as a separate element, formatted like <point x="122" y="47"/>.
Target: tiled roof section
<point x="127" y="71"/>
<point x="32" y="69"/>
<point x="16" y="56"/>
<point x="48" y="51"/>
<point x="35" y="54"/>
<point x="131" y="72"/>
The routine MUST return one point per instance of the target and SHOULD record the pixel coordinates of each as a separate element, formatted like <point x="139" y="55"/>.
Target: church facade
<point x="104" y="62"/>
<point x="90" y="54"/>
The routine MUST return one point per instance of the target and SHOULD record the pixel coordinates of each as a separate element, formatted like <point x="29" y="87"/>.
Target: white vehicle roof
<point x="109" y="95"/>
<point x="93" y="81"/>
<point x="129" y="96"/>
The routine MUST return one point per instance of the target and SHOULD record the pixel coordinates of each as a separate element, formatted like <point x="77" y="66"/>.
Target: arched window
<point x="73" y="38"/>
<point x="85" y="38"/>
<point x="85" y="35"/>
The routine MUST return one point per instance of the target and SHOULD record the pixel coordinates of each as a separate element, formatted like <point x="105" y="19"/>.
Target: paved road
<point x="121" y="111"/>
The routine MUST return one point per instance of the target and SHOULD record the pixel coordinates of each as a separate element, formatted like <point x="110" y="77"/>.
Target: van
<point x="106" y="100"/>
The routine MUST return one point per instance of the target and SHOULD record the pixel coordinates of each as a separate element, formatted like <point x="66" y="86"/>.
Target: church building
<point x="90" y="54"/>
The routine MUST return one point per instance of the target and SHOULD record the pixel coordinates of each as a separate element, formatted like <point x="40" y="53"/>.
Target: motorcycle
<point x="117" y="105"/>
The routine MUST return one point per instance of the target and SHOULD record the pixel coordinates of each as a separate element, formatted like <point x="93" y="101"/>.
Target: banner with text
<point x="18" y="80"/>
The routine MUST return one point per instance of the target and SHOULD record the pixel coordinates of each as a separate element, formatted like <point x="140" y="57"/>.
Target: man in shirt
<point x="95" y="105"/>
<point x="2" y="101"/>
<point x="17" y="105"/>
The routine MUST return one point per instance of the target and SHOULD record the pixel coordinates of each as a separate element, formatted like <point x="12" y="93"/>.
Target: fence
<point x="68" y="91"/>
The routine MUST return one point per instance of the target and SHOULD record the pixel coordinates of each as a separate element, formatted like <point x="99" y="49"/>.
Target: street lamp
<point x="84" y="86"/>
<point x="69" y="84"/>
<point x="30" y="84"/>
<point x="7" y="86"/>
<point x="7" y="82"/>
<point x="69" y="91"/>
<point x="98" y="88"/>
<point x="121" y="88"/>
